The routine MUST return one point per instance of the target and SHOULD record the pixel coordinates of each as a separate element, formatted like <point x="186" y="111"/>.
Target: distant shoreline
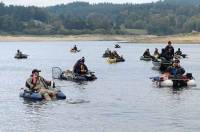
<point x="182" y="39"/>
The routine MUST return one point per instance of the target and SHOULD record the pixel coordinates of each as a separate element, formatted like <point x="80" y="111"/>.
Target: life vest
<point x="82" y="69"/>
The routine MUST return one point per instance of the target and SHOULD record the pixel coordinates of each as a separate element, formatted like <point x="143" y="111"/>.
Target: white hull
<point x="169" y="83"/>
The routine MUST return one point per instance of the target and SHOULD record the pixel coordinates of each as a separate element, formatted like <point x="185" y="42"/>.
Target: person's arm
<point x="29" y="84"/>
<point x="144" y="54"/>
<point x="182" y="71"/>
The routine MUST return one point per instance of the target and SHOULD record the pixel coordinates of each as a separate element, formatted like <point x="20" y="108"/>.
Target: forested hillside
<point x="160" y="18"/>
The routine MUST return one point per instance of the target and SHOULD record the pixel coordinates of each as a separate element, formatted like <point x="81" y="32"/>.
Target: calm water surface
<point x="122" y="99"/>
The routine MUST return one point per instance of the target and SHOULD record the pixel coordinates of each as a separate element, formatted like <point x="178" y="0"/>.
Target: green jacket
<point x="41" y="83"/>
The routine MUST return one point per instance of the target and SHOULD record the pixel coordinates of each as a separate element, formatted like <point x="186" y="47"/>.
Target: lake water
<point x="122" y="99"/>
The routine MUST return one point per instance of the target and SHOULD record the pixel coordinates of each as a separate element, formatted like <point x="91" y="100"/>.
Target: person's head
<point x="147" y="49"/>
<point x="177" y="60"/>
<point x="36" y="72"/>
<point x="17" y="50"/>
<point x="179" y="49"/>
<point x="82" y="60"/>
<point x="177" y="63"/>
<point x="169" y="43"/>
<point x="156" y="49"/>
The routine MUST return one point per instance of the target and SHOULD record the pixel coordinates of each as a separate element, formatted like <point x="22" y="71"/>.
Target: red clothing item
<point x="34" y="79"/>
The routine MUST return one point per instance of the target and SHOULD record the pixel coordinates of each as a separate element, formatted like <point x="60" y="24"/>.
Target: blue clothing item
<point x="173" y="71"/>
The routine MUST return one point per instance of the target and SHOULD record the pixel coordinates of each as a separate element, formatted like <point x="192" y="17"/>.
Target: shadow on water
<point x="77" y="101"/>
<point x="30" y="103"/>
<point x="178" y="90"/>
<point x="38" y="104"/>
<point x="80" y="85"/>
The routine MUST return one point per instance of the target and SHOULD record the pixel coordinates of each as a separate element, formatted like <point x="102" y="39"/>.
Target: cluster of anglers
<point x="113" y="56"/>
<point x="168" y="63"/>
<point x="172" y="74"/>
<point x="167" y="53"/>
<point x="20" y="55"/>
<point x="38" y="88"/>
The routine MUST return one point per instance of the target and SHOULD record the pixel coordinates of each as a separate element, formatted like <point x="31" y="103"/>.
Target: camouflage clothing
<point x="40" y="83"/>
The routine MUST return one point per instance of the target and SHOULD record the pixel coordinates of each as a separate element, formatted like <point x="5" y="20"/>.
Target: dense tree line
<point x="160" y="18"/>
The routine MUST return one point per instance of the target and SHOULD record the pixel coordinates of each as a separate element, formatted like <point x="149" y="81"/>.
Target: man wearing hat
<point x="39" y="84"/>
<point x="176" y="69"/>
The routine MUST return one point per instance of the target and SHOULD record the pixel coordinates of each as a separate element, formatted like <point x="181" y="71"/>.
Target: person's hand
<point x="34" y="79"/>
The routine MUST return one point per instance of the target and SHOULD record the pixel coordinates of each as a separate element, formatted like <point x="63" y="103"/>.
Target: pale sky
<point x="54" y="2"/>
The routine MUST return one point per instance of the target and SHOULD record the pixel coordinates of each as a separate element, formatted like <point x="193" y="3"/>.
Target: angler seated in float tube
<point x="173" y="71"/>
<point x="75" y="48"/>
<point x="178" y="52"/>
<point x="174" y="76"/>
<point x="80" y="68"/>
<point x="147" y="54"/>
<point x="117" y="46"/>
<point x="107" y="53"/>
<point x="156" y="54"/>
<point x="80" y="72"/>
<point x="38" y="84"/>
<point x="19" y="52"/>
<point x="176" y="69"/>
<point x="115" y="54"/>
<point x="114" y="57"/>
<point x="19" y="55"/>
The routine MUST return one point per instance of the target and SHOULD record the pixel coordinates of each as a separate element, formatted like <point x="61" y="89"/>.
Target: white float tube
<point x="166" y="83"/>
<point x="191" y="83"/>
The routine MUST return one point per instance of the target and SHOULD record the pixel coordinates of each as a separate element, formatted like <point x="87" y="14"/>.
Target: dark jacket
<point x="75" y="48"/>
<point x="176" y="70"/>
<point x="170" y="50"/>
<point x="147" y="54"/>
<point x="77" y="68"/>
<point x="178" y="52"/>
<point x="168" y="55"/>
